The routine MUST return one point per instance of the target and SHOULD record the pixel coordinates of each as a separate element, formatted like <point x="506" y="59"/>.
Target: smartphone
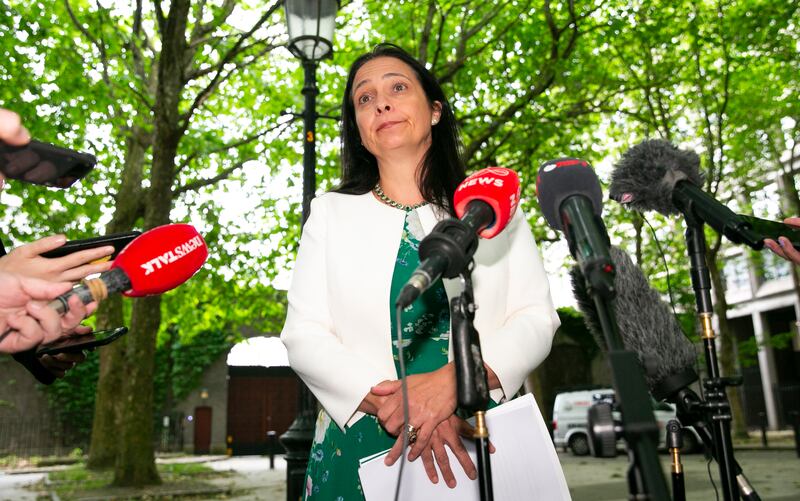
<point x="45" y="164"/>
<point x="118" y="240"/>
<point x="773" y="229"/>
<point x="74" y="344"/>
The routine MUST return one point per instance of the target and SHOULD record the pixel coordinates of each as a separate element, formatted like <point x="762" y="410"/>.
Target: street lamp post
<point x="310" y="24"/>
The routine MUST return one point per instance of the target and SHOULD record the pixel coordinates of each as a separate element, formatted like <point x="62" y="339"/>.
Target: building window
<point x="736" y="274"/>
<point x="775" y="267"/>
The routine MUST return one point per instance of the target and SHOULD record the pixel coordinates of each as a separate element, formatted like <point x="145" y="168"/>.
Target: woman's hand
<point x="431" y="400"/>
<point x="449" y="433"/>
<point x="27" y="260"/>
<point x="371" y="402"/>
<point x="784" y="247"/>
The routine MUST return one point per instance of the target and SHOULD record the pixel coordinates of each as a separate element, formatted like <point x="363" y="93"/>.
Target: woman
<point x="401" y="164"/>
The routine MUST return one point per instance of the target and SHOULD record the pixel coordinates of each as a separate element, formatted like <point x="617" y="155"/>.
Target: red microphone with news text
<point x="484" y="202"/>
<point x="155" y="262"/>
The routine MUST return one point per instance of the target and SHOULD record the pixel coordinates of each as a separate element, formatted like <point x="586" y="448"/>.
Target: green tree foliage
<point x="188" y="106"/>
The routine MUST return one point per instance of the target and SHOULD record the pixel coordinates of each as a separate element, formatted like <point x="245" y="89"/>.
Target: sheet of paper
<point x="525" y="465"/>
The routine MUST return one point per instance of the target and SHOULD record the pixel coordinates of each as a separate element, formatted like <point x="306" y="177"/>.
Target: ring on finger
<point x="411" y="433"/>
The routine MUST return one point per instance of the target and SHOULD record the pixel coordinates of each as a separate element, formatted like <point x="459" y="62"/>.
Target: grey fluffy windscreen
<point x="647" y="326"/>
<point x="645" y="176"/>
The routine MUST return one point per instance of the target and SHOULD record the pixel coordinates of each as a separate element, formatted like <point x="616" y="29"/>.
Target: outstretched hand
<point x="26" y="317"/>
<point x="29" y="320"/>
<point x="27" y="260"/>
<point x="11" y="130"/>
<point x="784" y="247"/>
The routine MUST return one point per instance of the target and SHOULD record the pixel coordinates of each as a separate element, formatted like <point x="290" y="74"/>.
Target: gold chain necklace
<point x="391" y="203"/>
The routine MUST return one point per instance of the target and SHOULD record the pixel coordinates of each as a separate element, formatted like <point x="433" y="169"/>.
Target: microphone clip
<point x="451" y="238"/>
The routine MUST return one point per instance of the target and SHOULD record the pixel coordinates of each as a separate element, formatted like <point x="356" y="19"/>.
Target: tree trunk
<point x="727" y="356"/>
<point x="104" y="442"/>
<point x="136" y="462"/>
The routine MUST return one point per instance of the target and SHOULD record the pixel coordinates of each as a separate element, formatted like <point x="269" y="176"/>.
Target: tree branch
<point x="201" y="72"/>
<point x="200" y="183"/>
<point x="161" y="20"/>
<point x="236" y="144"/>
<point x="212" y="85"/>
<point x="425" y="37"/>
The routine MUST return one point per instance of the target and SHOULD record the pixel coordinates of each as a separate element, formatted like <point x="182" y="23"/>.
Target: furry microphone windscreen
<point x="645" y="176"/>
<point x="647" y="326"/>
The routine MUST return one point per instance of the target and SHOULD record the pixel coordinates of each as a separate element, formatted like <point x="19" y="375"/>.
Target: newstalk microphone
<point x="484" y="202"/>
<point x="153" y="263"/>
<point x="571" y="200"/>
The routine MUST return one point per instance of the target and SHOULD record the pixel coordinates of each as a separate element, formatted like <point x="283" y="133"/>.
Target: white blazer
<point x="338" y="325"/>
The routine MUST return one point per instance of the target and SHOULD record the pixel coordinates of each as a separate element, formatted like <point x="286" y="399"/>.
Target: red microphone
<point x="153" y="263"/>
<point x="484" y="202"/>
<point x="498" y="187"/>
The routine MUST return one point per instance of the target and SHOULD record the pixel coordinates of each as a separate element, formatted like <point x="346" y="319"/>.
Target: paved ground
<point x="13" y="487"/>
<point x="254" y="480"/>
<point x="774" y="473"/>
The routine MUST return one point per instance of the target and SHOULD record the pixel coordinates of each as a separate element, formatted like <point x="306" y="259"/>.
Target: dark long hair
<point x="442" y="167"/>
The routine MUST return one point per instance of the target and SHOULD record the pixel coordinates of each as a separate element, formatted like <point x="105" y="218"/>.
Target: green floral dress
<point x="333" y="464"/>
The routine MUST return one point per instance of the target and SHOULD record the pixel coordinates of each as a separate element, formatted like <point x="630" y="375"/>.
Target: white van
<point x="570" y="422"/>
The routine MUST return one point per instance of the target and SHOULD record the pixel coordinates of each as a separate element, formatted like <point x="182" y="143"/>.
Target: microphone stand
<point x="471" y="381"/>
<point x="717" y="401"/>
<point x="674" y="444"/>
<point x="692" y="411"/>
<point x="645" y="477"/>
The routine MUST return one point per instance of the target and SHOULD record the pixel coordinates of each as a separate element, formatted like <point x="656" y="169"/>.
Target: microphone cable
<point x="666" y="269"/>
<point x="404" y="395"/>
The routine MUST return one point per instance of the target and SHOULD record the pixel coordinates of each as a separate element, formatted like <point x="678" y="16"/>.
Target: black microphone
<point x="485" y="202"/>
<point x="571" y="200"/>
<point x="656" y="175"/>
<point x="446" y="250"/>
<point x="648" y="328"/>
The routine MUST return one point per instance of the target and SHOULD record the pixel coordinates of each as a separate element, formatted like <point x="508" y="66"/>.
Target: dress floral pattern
<point x="332" y="472"/>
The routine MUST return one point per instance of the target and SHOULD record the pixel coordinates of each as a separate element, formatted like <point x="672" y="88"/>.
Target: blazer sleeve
<point x="526" y="334"/>
<point x="337" y="376"/>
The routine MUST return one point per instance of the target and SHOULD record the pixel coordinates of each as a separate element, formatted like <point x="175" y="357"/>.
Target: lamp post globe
<point x="310" y="25"/>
